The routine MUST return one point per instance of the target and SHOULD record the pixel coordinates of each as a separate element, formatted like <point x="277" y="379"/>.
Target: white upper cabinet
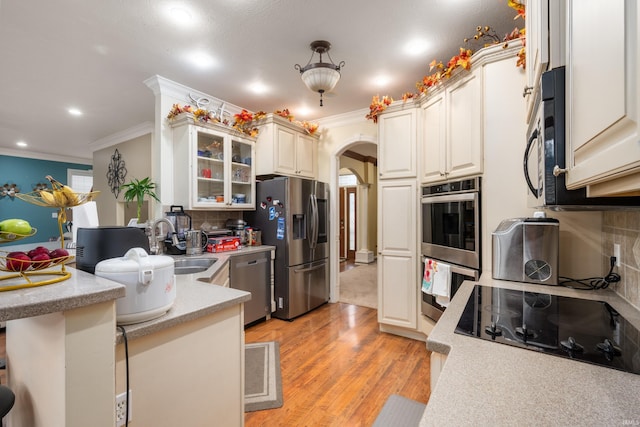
<point x="285" y="148"/>
<point x="397" y="142"/>
<point x="537" y="48"/>
<point x="433" y="143"/>
<point x="603" y="96"/>
<point x="451" y="143"/>
<point x="545" y="48"/>
<point x="213" y="166"/>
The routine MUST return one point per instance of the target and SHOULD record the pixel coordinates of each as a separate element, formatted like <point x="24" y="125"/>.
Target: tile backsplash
<point x="623" y="228"/>
<point x="214" y="218"/>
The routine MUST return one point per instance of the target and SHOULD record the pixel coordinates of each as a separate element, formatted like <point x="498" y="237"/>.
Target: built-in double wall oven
<point x="451" y="233"/>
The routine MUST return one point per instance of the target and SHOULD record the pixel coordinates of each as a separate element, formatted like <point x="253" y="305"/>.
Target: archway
<point x="365" y="188"/>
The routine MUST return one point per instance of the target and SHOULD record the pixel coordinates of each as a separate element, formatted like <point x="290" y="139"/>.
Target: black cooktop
<point x="579" y="329"/>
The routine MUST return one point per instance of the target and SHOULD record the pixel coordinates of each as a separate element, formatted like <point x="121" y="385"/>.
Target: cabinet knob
<point x="527" y="91"/>
<point x="557" y="170"/>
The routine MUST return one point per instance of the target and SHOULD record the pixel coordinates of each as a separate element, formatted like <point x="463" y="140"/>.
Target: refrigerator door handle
<point x="313" y="237"/>
<point x="304" y="270"/>
<point x="316" y="217"/>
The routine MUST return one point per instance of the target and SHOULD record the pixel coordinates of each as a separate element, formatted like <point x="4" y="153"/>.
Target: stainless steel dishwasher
<point x="251" y="273"/>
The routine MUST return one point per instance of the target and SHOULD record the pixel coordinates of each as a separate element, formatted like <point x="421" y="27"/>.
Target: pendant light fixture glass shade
<point x="321" y="76"/>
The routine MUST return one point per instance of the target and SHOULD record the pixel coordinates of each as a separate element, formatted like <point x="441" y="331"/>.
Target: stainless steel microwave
<point x="545" y="155"/>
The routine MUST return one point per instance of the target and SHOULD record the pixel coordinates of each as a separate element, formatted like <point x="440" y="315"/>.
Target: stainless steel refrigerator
<point x="293" y="214"/>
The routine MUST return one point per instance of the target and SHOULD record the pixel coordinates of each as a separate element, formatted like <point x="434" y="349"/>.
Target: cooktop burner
<point x="584" y="330"/>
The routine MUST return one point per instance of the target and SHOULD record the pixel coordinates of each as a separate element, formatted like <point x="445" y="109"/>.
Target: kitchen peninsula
<point x="66" y="362"/>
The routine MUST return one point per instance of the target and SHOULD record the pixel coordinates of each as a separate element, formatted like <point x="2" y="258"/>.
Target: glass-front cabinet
<point x="213" y="166"/>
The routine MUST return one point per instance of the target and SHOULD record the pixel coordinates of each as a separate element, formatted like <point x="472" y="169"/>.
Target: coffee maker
<point x="181" y="223"/>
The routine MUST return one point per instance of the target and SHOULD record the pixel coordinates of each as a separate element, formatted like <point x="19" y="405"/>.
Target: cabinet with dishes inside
<point x="213" y="165"/>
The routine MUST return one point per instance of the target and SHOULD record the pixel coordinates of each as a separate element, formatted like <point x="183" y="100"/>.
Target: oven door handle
<point x="446" y="198"/>
<point x="459" y="270"/>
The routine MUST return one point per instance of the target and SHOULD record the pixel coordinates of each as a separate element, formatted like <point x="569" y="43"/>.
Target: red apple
<point x="18" y="261"/>
<point x="40" y="261"/>
<point x="58" y="253"/>
<point x="38" y="250"/>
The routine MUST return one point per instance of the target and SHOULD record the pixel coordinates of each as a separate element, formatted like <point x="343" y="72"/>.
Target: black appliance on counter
<point x="580" y="329"/>
<point x="99" y="243"/>
<point x="545" y="154"/>
<point x="181" y="223"/>
<point x="450" y="215"/>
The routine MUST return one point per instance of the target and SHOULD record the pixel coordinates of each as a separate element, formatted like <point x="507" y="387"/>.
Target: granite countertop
<point x="485" y="383"/>
<point x="80" y="290"/>
<point x="195" y="295"/>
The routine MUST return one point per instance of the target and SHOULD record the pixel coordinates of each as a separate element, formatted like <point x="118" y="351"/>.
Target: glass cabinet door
<point x="210" y="171"/>
<point x="241" y="172"/>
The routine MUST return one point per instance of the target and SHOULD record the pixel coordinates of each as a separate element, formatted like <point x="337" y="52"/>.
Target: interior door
<point x="351" y="222"/>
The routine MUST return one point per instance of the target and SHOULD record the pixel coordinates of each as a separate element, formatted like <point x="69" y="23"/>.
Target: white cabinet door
<point x="397" y="272"/>
<point x="285" y="150"/>
<point x="603" y="107"/>
<point x="213" y="167"/>
<point x="537" y="48"/>
<point x="432" y="145"/>
<point x="451" y="145"/>
<point x="306" y="155"/>
<point x="464" y="127"/>
<point x="397" y="144"/>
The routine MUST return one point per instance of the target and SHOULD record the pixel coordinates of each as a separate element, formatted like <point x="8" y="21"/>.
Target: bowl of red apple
<point x="37" y="258"/>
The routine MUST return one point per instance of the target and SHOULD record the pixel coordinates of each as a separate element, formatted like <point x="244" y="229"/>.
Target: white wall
<point x="504" y="187"/>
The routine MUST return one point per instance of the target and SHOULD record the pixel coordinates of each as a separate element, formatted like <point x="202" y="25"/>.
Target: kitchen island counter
<point x="195" y="295"/>
<point x="486" y="383"/>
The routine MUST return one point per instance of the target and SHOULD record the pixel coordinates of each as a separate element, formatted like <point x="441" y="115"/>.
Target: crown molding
<point x="122" y="136"/>
<point x="345" y="119"/>
<point x="45" y="156"/>
<point x="161" y="86"/>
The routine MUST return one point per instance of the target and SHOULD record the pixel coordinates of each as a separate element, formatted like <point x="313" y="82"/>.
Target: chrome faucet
<point x="156" y="248"/>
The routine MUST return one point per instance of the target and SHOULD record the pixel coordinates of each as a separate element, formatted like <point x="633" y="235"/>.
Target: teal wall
<point x="26" y="173"/>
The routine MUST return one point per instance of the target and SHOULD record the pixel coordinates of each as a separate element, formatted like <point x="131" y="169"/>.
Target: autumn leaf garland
<point x="462" y="60"/>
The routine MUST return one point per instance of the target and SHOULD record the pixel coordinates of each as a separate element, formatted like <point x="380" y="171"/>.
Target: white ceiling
<point x="95" y="56"/>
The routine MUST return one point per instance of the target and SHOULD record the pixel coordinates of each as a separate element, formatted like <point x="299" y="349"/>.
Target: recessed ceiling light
<point x="21" y="144"/>
<point x="179" y="15"/>
<point x="201" y="60"/>
<point x="416" y="47"/>
<point x="381" y="80"/>
<point x="258" y="88"/>
<point x="303" y="111"/>
<point x="74" y="112"/>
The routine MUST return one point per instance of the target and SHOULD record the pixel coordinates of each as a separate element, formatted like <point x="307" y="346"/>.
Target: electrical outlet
<point x="121" y="409"/>
<point x="616" y="253"/>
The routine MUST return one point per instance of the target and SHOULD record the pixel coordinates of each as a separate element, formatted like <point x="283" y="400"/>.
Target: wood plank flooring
<point x="338" y="369"/>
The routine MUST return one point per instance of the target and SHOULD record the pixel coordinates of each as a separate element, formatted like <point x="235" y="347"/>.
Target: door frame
<point x="334" y="249"/>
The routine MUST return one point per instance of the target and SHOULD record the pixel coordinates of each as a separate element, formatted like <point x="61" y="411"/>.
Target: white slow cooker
<point x="150" y="284"/>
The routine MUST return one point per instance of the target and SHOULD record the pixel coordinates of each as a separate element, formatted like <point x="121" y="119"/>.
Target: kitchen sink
<point x="192" y="265"/>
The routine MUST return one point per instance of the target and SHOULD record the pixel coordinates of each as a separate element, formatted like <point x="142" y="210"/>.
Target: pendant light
<point x="321" y="76"/>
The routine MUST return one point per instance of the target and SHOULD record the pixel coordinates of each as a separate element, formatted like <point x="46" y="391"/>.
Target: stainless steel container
<point x="196" y="241"/>
<point x="526" y="250"/>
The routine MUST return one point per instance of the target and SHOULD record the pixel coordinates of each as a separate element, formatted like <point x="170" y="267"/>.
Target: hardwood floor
<point x="338" y="369"/>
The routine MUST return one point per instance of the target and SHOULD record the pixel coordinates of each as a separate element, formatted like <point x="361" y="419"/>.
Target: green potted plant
<point x="137" y="189"/>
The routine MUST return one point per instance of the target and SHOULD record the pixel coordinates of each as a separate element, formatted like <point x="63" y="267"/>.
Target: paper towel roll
<point x="85" y="215"/>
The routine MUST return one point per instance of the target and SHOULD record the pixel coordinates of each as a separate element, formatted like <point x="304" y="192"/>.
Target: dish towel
<point x="436" y="280"/>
